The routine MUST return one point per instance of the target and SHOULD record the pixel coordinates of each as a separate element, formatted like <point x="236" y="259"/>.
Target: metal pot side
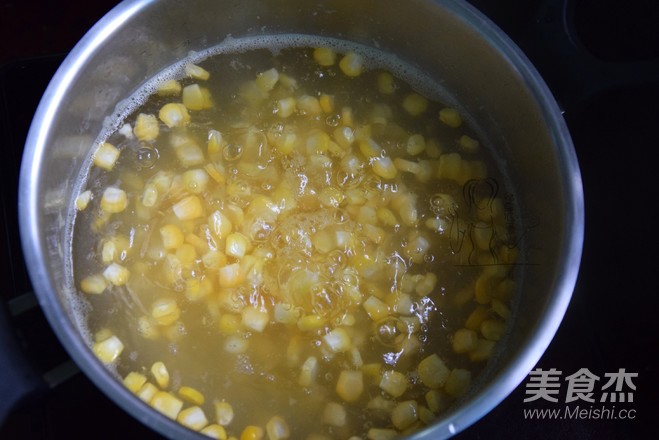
<point x="448" y="39"/>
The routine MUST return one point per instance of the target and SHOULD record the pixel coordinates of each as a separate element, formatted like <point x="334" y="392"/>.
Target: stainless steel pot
<point x="449" y="40"/>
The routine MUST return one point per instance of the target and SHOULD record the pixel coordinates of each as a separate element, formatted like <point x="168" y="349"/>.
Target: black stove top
<point x="609" y="324"/>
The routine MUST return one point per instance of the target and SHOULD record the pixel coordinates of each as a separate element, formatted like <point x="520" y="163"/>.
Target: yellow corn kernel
<point x="172" y="237"/>
<point x="375" y="308"/>
<point x="464" y="340"/>
<point x="213" y="259"/>
<point x="189" y="154"/>
<point x="417" y="248"/>
<point x="188" y="208"/>
<point x="108" y="350"/>
<point x="236" y="344"/>
<point x="504" y="290"/>
<point x="324" y="56"/>
<point x="223" y="413"/>
<point x="192" y="417"/>
<point x="286" y="314"/>
<point x="252" y="432"/>
<point x="476" y="317"/>
<point x="352" y="64"/>
<point x="380" y="403"/>
<point x="367" y="214"/>
<point x="317" y="143"/>
<point x="373" y="371"/>
<point x="500" y="309"/>
<point x="114" y="200"/>
<point x="219" y="224"/>
<point x="394" y="383"/>
<point x="457" y="382"/>
<point x="216" y="173"/>
<point x="370" y="148"/>
<point x="468" y="144"/>
<point x="174" y="114"/>
<point x="102" y="334"/>
<point x="308" y="105"/>
<point x="492" y="329"/>
<point x="231" y="275"/>
<point x="385" y="82"/>
<point x="285" y="107"/>
<point x="196" y="97"/>
<point x="326" y="102"/>
<point x="254" y="318"/>
<point x="106" y="156"/>
<point x="382" y="434"/>
<point x="162" y="181"/>
<point x="277" y="429"/>
<point x="146" y="328"/>
<point x="195" y="180"/>
<point x="196" y="72"/>
<point x="267" y="80"/>
<point x="386" y="216"/>
<point x="116" y="274"/>
<point x="94" y="284"/>
<point x="334" y="414"/>
<point x="150" y="195"/>
<point x="405" y="414"/>
<point x="167" y="404"/>
<point x="347" y="117"/>
<point x="415" y="104"/>
<point x="160" y="374"/>
<point x="216" y="142"/>
<point x="170" y="87"/>
<point x="200" y="245"/>
<point x="450" y="117"/>
<point x="308" y="372"/>
<point x="405" y="204"/>
<point x="134" y="381"/>
<point x="482" y="350"/>
<point x="147" y="392"/>
<point x="146" y="127"/>
<point x="215" y="431"/>
<point x="433" y="372"/>
<point x="237" y="245"/>
<point x="338" y="340"/>
<point x="350" y="385"/>
<point x="384" y="167"/>
<point x="331" y="196"/>
<point x="407" y="166"/>
<point x="83" y="199"/>
<point x="437" y="401"/>
<point x="373" y="233"/>
<point x="165" y="311"/>
<point x="426" y="284"/>
<point x="416" y="144"/>
<point x="311" y="323"/>
<point x="191" y="395"/>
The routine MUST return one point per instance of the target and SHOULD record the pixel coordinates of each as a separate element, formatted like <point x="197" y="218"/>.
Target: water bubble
<point x="387" y="330"/>
<point x="146" y="156"/>
<point x="232" y="152"/>
<point x="333" y="120"/>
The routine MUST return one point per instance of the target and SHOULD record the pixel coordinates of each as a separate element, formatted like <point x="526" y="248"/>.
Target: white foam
<point x="374" y="58"/>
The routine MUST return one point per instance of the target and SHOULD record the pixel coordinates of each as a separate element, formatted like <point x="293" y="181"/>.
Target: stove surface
<point x="610" y="324"/>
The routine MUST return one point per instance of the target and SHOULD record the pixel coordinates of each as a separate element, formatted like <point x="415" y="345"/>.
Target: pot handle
<point x="21" y="383"/>
<point x="574" y="75"/>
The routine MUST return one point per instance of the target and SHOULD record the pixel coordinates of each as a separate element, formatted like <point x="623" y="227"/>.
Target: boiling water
<point x="366" y="235"/>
